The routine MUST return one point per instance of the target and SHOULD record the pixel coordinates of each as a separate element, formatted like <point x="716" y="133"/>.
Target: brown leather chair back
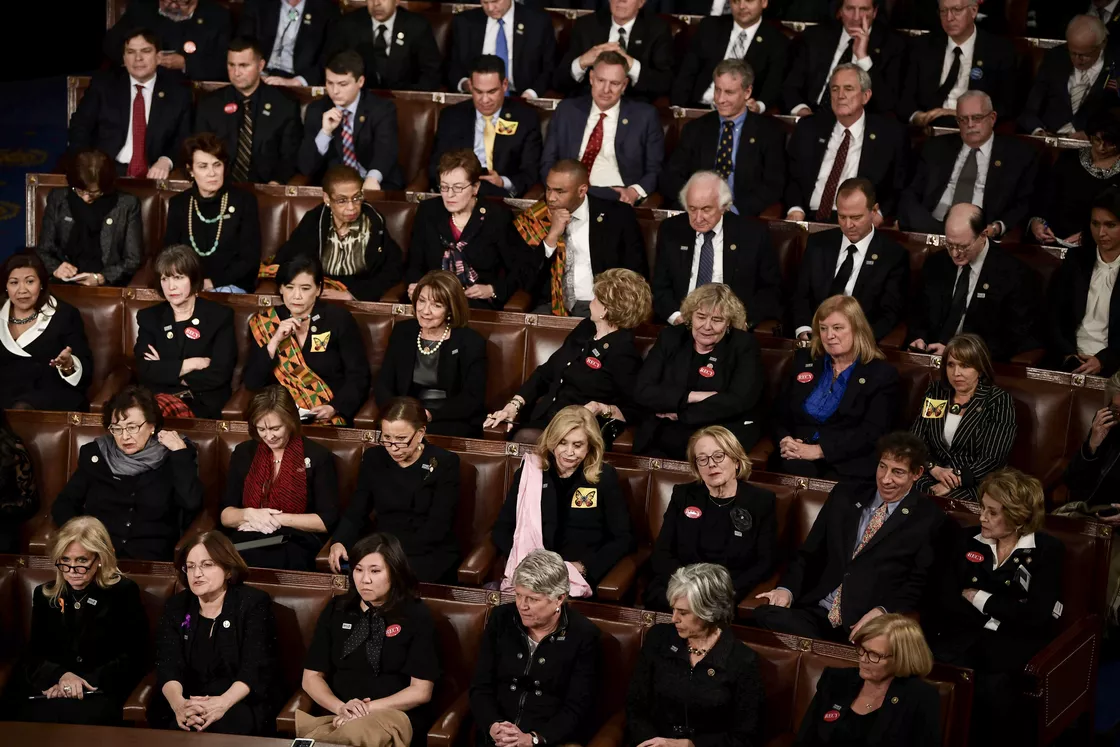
<point x="661" y="486"/>
<point x="635" y="488"/>
<point x="347" y="463"/>
<point x="781" y="679"/>
<point x="244" y="308"/>
<point x="545" y="116"/>
<point x="297" y="208"/>
<point x="1042" y="415"/>
<point x="11" y="643"/>
<point x="777" y="363"/>
<point x="441" y="27"/>
<point x="132" y="306"/>
<point x="416" y="132"/>
<point x="272" y="210"/>
<point x="398" y="220"/>
<point x="789" y="243"/>
<point x="649" y="227"/>
<point x="47" y="438"/>
<point x="541" y="344"/>
<point x="802" y="515"/>
<point x="505" y="355"/>
<point x="296" y="607"/>
<point x="621" y="645"/>
<point x="459" y="628"/>
<point x="103" y="318"/>
<point x="913" y="379"/>
<point x="375" y="329"/>
<point x="27" y="580"/>
<point x="1086" y="402"/>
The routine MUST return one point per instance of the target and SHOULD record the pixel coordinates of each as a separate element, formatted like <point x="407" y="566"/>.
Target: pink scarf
<point x="527" y="533"/>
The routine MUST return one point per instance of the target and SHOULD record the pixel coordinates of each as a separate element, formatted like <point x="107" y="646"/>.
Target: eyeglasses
<point x="342" y="201"/>
<point x="715" y="459"/>
<point x="958" y="249"/>
<point x="397" y="443"/>
<point x="873" y="656"/>
<point x="130" y="429"/>
<point x="92" y="194"/>
<point x="81" y="570"/>
<point x="455" y="189"/>
<point x="952" y="12"/>
<point x="205" y="566"/>
<point x="964" y="119"/>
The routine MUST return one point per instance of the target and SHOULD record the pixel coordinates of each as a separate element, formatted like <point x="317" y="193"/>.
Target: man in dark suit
<point x="193" y="35"/>
<point x="853" y="260"/>
<point x="974" y="286"/>
<point x="352" y="128"/>
<point x="1052" y="19"/>
<point x="747" y="149"/>
<point x="961" y="58"/>
<point x="642" y="38"/>
<point x="996" y="172"/>
<point x="511" y="153"/>
<point x="619" y="141"/>
<point x="397" y="45"/>
<point x="142" y="97"/>
<point x="739" y="36"/>
<point x="1069" y="85"/>
<point x="870" y="551"/>
<point x="710" y="244"/>
<point x="522" y="37"/>
<point x="855" y="38"/>
<point x="293" y="35"/>
<point x="828" y="148"/>
<point x="259" y="123"/>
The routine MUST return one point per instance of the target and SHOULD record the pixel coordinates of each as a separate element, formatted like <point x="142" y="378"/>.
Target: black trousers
<point x="806" y="622"/>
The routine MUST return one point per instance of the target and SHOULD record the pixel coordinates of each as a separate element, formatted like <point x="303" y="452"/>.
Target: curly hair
<point x="715" y="297"/>
<point x="625" y="295"/>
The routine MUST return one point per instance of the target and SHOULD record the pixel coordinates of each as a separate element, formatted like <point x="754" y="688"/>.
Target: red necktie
<point x="138" y="164"/>
<point x="824" y="210"/>
<point x="594" y="145"/>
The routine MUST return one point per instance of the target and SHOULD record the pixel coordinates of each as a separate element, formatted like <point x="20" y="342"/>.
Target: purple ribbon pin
<point x="186" y="621"/>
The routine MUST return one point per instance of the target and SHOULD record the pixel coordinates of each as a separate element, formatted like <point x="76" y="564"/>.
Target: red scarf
<point x="288" y="492"/>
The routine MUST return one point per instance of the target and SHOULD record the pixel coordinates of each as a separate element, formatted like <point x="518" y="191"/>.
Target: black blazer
<point x="211" y="387"/>
<point x="981" y="444"/>
<point x="490" y="247"/>
<point x="884" y="158"/>
<point x="103" y="115"/>
<point x="866" y="412"/>
<point x="750" y="266"/>
<point x="30" y="378"/>
<point x="461" y="373"/>
<point x="599" y="536"/>
<point x="909" y="717"/>
<point x="534" y="48"/>
<point x="667" y="376"/>
<point x="760" y="160"/>
<point x="238" y="256"/>
<point x="1048" y="105"/>
<point x="1092" y="476"/>
<point x="414" y="59"/>
<point x="767" y="56"/>
<point x="342" y="365"/>
<point x="1002" y="309"/>
<point x="1068" y="297"/>
<point x="260" y="19"/>
<point x="208" y="30"/>
<point x="649" y="42"/>
<point x="891" y="570"/>
<point x="516" y="156"/>
<point x="994" y="72"/>
<point x="122" y="237"/>
<point x="882" y="286"/>
<point x="564" y="668"/>
<point x="375" y="140"/>
<point x="276" y="129"/>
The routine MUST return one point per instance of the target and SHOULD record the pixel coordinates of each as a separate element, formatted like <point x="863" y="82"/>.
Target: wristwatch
<point x="536" y="739"/>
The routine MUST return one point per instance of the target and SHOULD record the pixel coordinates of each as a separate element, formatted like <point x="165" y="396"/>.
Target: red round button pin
<point x="831" y="715"/>
<point x="189" y="47"/>
<point x="707" y="372"/>
<point x="804" y="377"/>
<point x="192" y="333"/>
<point x="593" y="362"/>
<point x="231" y="108"/>
<point x="974" y="556"/>
<point x="693" y="512"/>
<point x="392" y="631"/>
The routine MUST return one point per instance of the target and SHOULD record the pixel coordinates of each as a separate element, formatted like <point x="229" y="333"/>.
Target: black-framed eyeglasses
<point x="715" y="459"/>
<point x="343" y="201"/>
<point x="81" y="570"/>
<point x="455" y="189"/>
<point x="131" y="429"/>
<point x="873" y="656"/>
<point x="92" y="194"/>
<point x="397" y="443"/>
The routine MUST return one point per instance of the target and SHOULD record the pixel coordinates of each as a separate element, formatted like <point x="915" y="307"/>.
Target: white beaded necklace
<point x="431" y="351"/>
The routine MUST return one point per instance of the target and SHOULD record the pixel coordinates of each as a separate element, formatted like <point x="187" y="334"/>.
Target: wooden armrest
<point x="445" y="730"/>
<point x="204" y="522"/>
<point x="1062" y="676"/>
<point x="475" y="568"/>
<point x="624" y="444"/>
<point x="768" y="327"/>
<point x="117" y="379"/>
<point x="612" y="733"/>
<point x="519" y="301"/>
<point x="368" y="416"/>
<point x="322" y="558"/>
<point x="1030" y="357"/>
<point x="238" y="405"/>
<point x="497" y="432"/>
<point x="286" y="719"/>
<point x="395" y="294"/>
<point x="267" y="287"/>
<point x="136" y="707"/>
<point x="534" y="192"/>
<point x="748" y="604"/>
<point x="145" y="277"/>
<point x="299" y="180"/>
<point x="761" y="451"/>
<point x="652" y="201"/>
<point x="620" y="579"/>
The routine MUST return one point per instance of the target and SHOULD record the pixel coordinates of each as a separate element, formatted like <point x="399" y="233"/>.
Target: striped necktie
<point x="349" y="157"/>
<point x="244" y="142"/>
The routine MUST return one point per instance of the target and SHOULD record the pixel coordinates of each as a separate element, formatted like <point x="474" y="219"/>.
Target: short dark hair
<point x="858" y="184"/>
<point x="131" y="396"/>
<point x="299" y="264"/>
<point x="1108" y="199"/>
<point x="347" y="62"/>
<point x="402" y="581"/>
<point x="611" y="57"/>
<point x="1105" y="123"/>
<point x="147" y="34"/>
<point x="340" y="173"/>
<point x="444" y="288"/>
<point x="571" y="167"/>
<point x="969" y="350"/>
<point x="243" y="43"/>
<point x="208" y="143"/>
<point x="461" y="158"/>
<point x="406" y="409"/>
<point x="485" y="64"/>
<point x="740" y="69"/>
<point x="179" y="259"/>
<point x="276" y="400"/>
<point x="905" y="446"/>
<point x="92" y="168"/>
<point x="221" y="551"/>
<point x="30" y="259"/>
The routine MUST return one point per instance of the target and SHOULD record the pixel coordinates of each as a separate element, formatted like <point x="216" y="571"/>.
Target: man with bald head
<point x="710" y="244"/>
<point x="974" y="286"/>
<point x="1070" y="83"/>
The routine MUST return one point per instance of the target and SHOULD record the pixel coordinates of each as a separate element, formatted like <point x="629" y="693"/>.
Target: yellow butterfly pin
<point x="934" y="408"/>
<point x="584" y="497"/>
<point x="319" y="342"/>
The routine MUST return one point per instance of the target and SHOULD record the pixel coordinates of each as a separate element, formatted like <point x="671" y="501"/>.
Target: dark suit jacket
<point x="1048" y="106"/>
<point x="534" y="48"/>
<point x="993" y="59"/>
<point x="375" y="140"/>
<point x="760" y="161"/>
<point x="884" y="158"/>
<point x="105" y="111"/>
<point x="1053" y="18"/>
<point x="237" y="257"/>
<point x="208" y="30"/>
<point x="649" y="42"/>
<point x="414" y="60"/>
<point x="516" y="156"/>
<point x="1007" y="194"/>
<point x="1092" y="476"/>
<point x="276" y="130"/>
<point x="811" y="66"/>
<point x="122" y="237"/>
<point x="750" y="266"/>
<point x="767" y="56"/>
<point x="1002" y="309"/>
<point x="260" y="19"/>
<point x="31" y="379"/>
<point x="1068" y="296"/>
<point x="891" y="570"/>
<point x="639" y="142"/>
<point x="910" y="714"/>
<point x="882" y="286"/>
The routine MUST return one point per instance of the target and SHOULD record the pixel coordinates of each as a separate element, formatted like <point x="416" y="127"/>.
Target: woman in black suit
<point x="89" y="635"/>
<point x="216" y="220"/>
<point x="840" y="398"/>
<point x="718" y="519"/>
<point x="882" y="703"/>
<point x="45" y="361"/>
<point x="438" y="359"/>
<point x="217" y="664"/>
<point x="967" y="422"/>
<point x="185" y="348"/>
<point x="707" y="371"/>
<point x="314" y="350"/>
<point x="465" y="236"/>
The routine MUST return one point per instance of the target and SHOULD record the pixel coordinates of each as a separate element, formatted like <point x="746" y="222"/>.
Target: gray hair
<point x="1112" y="386"/>
<point x="863" y="75"/>
<point x="542" y="572"/>
<point x="708" y="589"/>
<point x="725" y="196"/>
<point x="1087" y="23"/>
<point x="985" y="99"/>
<point x="966" y="2"/>
<point x="739" y="68"/>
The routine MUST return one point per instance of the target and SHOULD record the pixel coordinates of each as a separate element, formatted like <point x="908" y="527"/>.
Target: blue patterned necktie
<point x="501" y="47"/>
<point x="707" y="260"/>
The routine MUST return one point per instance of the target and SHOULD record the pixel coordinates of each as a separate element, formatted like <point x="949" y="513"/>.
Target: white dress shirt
<point x="388" y="23"/>
<point x="577" y="253"/>
<point x="1092" y="333"/>
<point x="1088" y="78"/>
<point x="851" y="161"/>
<point x="16" y="346"/>
<point x="490" y="46"/>
<point x="862" y="246"/>
<point x="976" y="267"/>
<point x="480" y="141"/>
<point x="952" y="422"/>
<point x="983" y="158"/>
<point x="323" y="140"/>
<point x="1108" y="10"/>
<point x="125" y="153"/>
<point x="717" y="7"/>
<point x="837" y="55"/>
<point x="604" y="172"/>
<point x="968" y="49"/>
<point x="635" y="71"/>
<point x="717" y="262"/>
<point x="288" y="25"/>
<point x="982" y="597"/>
<point x="736" y="29"/>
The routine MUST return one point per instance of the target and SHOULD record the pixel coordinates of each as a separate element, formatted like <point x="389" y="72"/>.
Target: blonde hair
<point x="726" y="440"/>
<point x="910" y="654"/>
<point x="714" y="296"/>
<point x="625" y="295"/>
<point x="863" y="339"/>
<point x="574" y="416"/>
<point x="1020" y="495"/>
<point x="91" y="534"/>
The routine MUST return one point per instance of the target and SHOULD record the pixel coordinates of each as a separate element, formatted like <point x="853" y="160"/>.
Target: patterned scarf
<point x="128" y="465"/>
<point x="293" y="373"/>
<point x="455" y="263"/>
<point x="533" y="224"/>
<point x="288" y="491"/>
<point x="171" y="406"/>
<point x="370" y="630"/>
<point x="346" y="255"/>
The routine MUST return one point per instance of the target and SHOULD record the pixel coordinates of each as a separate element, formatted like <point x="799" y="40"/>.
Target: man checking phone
<point x="1094" y="474"/>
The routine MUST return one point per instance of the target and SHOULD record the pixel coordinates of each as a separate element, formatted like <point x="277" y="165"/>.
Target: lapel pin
<point x="161" y="94"/>
<point x="108" y="221"/>
<point x="314" y="328"/>
<point x="999" y="163"/>
<point x="307" y="17"/>
<point x="520" y="27"/>
<point x="400" y="34"/>
<point x="876" y="50"/>
<point x="894" y="700"/>
<point x="752" y="139"/>
<point x="599" y="219"/>
<point x="862" y="380"/>
<point x="170" y="335"/>
<point x="268" y="106"/>
<point x="732" y="247"/>
<point x="820" y="140"/>
<point x="905" y="511"/>
<point x="199" y="21"/>
<point x="195" y="320"/>
<point x="979" y="63"/>
<point x="362" y="118"/>
<point x="606" y="345"/>
<point x="626" y="121"/>
<point x="874" y="256"/>
<point x="482" y="210"/>
<point x="711" y="673"/>
<point x="232" y="209"/>
<point x="225" y="623"/>
<point x="872" y="136"/>
<point x="758" y="38"/>
<point x="985" y="286"/>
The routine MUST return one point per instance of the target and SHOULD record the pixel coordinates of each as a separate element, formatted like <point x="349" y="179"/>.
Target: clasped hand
<point x="200" y="711"/>
<point x="506" y="734"/>
<point x="353" y="709"/>
<point x="795" y="448"/>
<point x="263" y="520"/>
<point x="69" y="685"/>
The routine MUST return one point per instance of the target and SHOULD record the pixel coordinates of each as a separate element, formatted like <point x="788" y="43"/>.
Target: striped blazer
<point x="981" y="444"/>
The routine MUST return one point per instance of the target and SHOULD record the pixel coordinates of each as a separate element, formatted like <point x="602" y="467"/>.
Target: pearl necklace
<point x="432" y="351"/>
<point x="220" y="219"/>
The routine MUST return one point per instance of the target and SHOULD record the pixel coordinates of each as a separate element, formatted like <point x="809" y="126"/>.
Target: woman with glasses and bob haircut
<point x="468" y="237"/>
<point x="884" y="701"/>
<point x="412" y="487"/>
<point x="217" y="664"/>
<point x="438" y="359"/>
<point x="140" y="480"/>
<point x="718" y="518"/>
<point x="89" y="635"/>
<point x="282" y="488"/>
